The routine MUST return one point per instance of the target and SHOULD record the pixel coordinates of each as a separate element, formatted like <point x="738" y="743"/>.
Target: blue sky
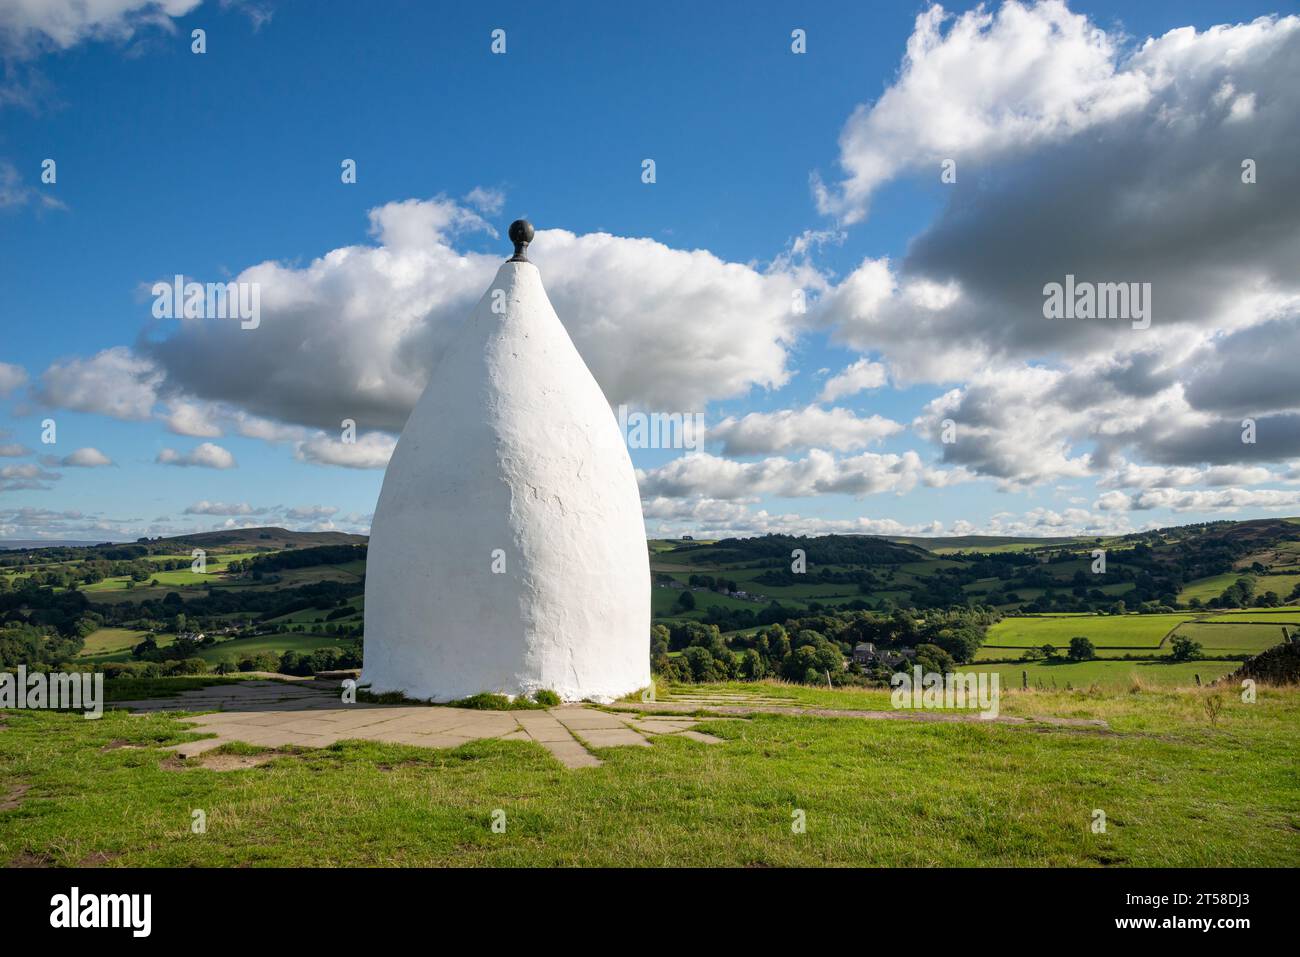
<point x="209" y="165"/>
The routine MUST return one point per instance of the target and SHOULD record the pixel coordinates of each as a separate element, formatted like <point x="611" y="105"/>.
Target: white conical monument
<point x="508" y="550"/>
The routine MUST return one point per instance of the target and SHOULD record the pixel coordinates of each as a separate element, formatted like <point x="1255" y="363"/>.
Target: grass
<point x="1212" y="587"/>
<point x="115" y="641"/>
<point x="1107" y="673"/>
<point x="1176" y="791"/>
<point x="1113" y="631"/>
<point x="1219" y="638"/>
<point x="239" y="647"/>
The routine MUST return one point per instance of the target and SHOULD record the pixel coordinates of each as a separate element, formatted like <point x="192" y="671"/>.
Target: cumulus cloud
<point x="1078" y="154"/>
<point x="355" y="333"/>
<point x="863" y="374"/>
<point x="1003" y="426"/>
<point x="193" y="419"/>
<point x="792" y="429"/>
<point x="1131" y="475"/>
<point x="1200" y="500"/>
<point x="302" y="513"/>
<point x="29" y="27"/>
<point x="86" y="458"/>
<point x="26" y="477"/>
<point x="819" y="473"/>
<point x="204" y="507"/>
<point x="370" y="451"/>
<point x="115" y="382"/>
<point x="1043" y="74"/>
<point x="206" y="455"/>
<point x="11" y="377"/>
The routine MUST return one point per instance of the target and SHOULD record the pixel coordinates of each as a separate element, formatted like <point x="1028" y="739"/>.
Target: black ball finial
<point x="521" y="234"/>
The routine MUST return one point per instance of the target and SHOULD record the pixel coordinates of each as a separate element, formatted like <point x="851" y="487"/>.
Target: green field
<point x="1212" y="587"/>
<point x="1178" y="791"/>
<point x="1105" y="631"/>
<point x="1286" y="615"/>
<point x="115" y="643"/>
<point x="1219" y="638"/>
<point x="1113" y="675"/>
<point x="239" y="647"/>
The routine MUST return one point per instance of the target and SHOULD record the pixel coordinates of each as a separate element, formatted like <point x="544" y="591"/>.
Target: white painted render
<point x="512" y="447"/>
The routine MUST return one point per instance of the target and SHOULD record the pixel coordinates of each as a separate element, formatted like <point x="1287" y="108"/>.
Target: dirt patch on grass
<point x="98" y="859"/>
<point x="118" y="744"/>
<point x="14" y="798"/>
<point x="219" y="762"/>
<point x="27" y="859"/>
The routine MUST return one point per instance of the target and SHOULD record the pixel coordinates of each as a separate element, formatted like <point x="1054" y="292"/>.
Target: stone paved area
<point x="310" y="714"/>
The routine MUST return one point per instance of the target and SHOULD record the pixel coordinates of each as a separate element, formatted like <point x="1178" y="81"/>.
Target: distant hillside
<point x="22" y="544"/>
<point x="983" y="543"/>
<point x="267" y="537"/>
<point x="824" y="549"/>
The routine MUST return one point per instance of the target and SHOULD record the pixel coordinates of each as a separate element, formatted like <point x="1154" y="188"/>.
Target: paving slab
<point x="572" y="754"/>
<point x="576" y="720"/>
<point x="612" y="738"/>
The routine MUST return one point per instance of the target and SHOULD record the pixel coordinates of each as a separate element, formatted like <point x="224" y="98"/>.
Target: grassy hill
<point x="1179" y="789"/>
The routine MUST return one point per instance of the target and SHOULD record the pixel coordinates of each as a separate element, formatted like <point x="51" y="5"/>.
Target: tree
<point x="700" y="663"/>
<point x="752" y="666"/>
<point x="686" y="601"/>
<point x="1184" y="649"/>
<point x="1081" y="649"/>
<point x="932" y="658"/>
<point x="1049" y="651"/>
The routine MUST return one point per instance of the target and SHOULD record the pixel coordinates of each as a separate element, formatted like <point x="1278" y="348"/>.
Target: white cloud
<point x="1200" y="500"/>
<point x="28" y="27"/>
<point x="819" y="473"/>
<point x="991" y="83"/>
<point x="371" y="450"/>
<point x="204" y="507"/>
<point x="485" y="200"/>
<point x="1131" y="475"/>
<point x="114" y="382"/>
<point x="11" y="377"/>
<point x="355" y="333"/>
<point x="14" y="192"/>
<point x="792" y="429"/>
<point x="193" y="419"/>
<point x="26" y="477"/>
<point x="863" y="374"/>
<point x="86" y="458"/>
<point x="304" y="513"/>
<point x="206" y="455"/>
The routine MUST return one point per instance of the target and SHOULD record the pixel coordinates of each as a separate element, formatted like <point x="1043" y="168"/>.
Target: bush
<point x="546" y="697"/>
<point x="1081" y="649"/>
<point x="186" y="666"/>
<point x="1184" y="649"/>
<point x="262" y="661"/>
